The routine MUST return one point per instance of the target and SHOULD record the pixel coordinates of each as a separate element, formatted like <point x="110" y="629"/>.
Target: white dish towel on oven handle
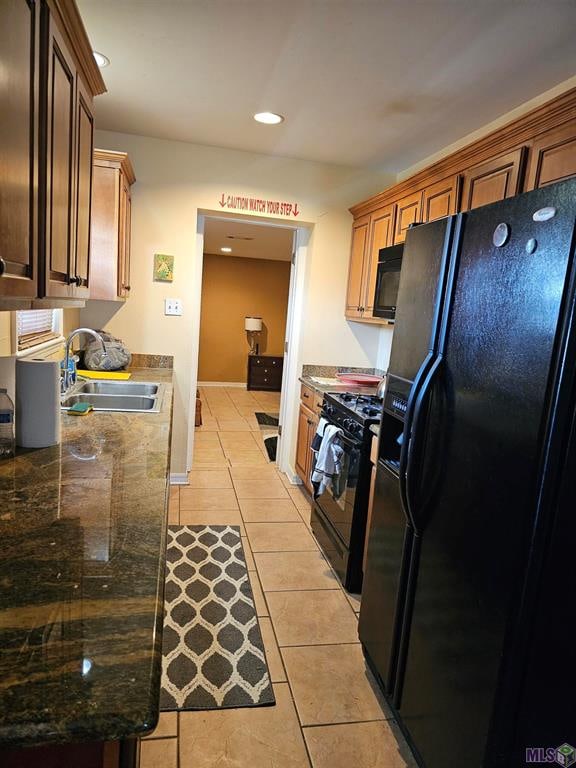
<point x="328" y="461"/>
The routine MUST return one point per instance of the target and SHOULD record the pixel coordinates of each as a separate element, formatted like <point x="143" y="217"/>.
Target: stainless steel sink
<point x="129" y="396"/>
<point x="117" y="388"/>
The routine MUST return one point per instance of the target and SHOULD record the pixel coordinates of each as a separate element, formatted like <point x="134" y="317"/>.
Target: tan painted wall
<point x="5" y="330"/>
<point x="174" y="182"/>
<point x="231" y="289"/>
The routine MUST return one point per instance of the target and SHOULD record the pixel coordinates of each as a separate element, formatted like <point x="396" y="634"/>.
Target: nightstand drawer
<point x="265" y="372"/>
<point x="265" y="361"/>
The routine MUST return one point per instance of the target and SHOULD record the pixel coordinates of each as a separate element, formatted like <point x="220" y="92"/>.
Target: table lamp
<point x="253" y="326"/>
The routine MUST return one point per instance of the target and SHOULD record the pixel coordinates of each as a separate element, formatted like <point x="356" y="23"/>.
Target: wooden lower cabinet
<point x="307" y="424"/>
<point x="495" y="180"/>
<point x="111" y="226"/>
<point x="552" y="157"/>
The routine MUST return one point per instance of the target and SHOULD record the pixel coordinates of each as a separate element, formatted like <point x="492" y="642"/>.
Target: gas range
<point x="352" y="411"/>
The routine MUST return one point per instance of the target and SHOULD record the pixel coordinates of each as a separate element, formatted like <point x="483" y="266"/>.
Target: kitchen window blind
<point x="35" y="326"/>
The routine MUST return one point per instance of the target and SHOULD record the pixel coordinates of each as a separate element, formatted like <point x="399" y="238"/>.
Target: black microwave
<point x="387" y="281"/>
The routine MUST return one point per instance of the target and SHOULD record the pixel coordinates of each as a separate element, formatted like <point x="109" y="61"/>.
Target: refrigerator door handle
<point x="407" y="435"/>
<point x="415" y="443"/>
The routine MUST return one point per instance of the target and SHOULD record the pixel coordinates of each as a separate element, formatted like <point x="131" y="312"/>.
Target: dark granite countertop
<point x="82" y="555"/>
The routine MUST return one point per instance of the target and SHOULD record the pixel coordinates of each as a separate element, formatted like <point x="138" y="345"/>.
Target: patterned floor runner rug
<point x="212" y="649"/>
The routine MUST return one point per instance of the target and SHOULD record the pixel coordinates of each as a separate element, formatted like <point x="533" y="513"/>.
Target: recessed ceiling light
<point x="268" y="118"/>
<point x="225" y="249"/>
<point x="101" y="60"/>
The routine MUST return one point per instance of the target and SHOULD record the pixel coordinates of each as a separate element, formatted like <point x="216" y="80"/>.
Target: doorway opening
<point x="250" y="282"/>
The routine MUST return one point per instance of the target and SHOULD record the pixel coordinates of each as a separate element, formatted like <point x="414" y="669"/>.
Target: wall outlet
<point x="172" y="307"/>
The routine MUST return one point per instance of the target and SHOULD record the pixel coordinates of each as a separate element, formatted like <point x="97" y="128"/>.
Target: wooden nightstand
<point x="265" y="372"/>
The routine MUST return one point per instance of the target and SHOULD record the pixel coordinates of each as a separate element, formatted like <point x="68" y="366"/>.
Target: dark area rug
<point x="271" y="445"/>
<point x="267" y="419"/>
<point x="212" y="650"/>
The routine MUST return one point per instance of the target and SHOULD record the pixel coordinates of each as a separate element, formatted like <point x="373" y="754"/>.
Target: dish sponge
<point x="80" y="409"/>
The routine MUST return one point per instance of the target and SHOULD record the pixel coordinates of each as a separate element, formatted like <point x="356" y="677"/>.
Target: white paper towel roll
<point x="37" y="403"/>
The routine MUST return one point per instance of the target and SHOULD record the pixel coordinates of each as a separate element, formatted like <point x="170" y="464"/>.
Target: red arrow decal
<point x="296" y="211"/>
<point x="223" y="201"/>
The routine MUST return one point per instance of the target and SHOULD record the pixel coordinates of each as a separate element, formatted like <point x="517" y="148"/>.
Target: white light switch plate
<point x="172" y="307"/>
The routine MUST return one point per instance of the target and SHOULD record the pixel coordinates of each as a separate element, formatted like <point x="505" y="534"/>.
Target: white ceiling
<point x="380" y="83"/>
<point x="253" y="241"/>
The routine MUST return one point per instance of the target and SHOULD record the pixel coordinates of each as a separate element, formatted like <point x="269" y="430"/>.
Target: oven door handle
<point x="349" y="441"/>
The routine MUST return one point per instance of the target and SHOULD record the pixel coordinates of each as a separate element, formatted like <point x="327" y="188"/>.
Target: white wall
<point x="174" y="181"/>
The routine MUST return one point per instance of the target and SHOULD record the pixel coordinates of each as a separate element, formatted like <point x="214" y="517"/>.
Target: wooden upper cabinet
<point x="125" y="238"/>
<point x="111" y="212"/>
<point x="19" y="36"/>
<point x="49" y="78"/>
<point x="355" y="292"/>
<point x="408" y="211"/>
<point x="441" y="199"/>
<point x="60" y="186"/>
<point x="83" y="188"/>
<point x="494" y="180"/>
<point x="552" y="157"/>
<point x="381" y="235"/>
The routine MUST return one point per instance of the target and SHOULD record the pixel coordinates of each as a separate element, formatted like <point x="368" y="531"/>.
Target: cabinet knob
<point x="126" y="287"/>
<point x="75" y="280"/>
<point x="2" y="267"/>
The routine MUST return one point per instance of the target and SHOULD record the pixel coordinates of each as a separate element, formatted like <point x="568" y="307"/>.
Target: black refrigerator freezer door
<point x="422" y="282"/>
<point x="492" y="386"/>
<point x="389" y="548"/>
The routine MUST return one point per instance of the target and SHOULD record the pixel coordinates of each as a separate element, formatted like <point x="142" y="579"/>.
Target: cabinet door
<point x="302" y="444"/>
<point x="312" y="427"/>
<point x="18" y="147"/>
<point x="409" y="211"/>
<point x="58" y="260"/>
<point x="441" y="199"/>
<point x="494" y="180"/>
<point x="83" y="184"/>
<point x="355" y="293"/>
<point x="124" y="238"/>
<point x="105" y="225"/>
<point x="553" y="157"/>
<point x="381" y="235"/>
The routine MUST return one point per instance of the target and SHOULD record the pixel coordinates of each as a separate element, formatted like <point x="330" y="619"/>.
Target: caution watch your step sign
<point x="258" y="205"/>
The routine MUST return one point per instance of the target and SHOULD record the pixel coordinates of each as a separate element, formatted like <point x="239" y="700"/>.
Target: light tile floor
<point x="328" y="713"/>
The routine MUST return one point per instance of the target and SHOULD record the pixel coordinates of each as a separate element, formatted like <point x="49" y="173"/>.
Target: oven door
<point x="337" y="503"/>
<point x="387" y="282"/>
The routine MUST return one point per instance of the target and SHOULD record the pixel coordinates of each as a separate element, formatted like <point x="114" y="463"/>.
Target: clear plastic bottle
<point x="7" y="441"/>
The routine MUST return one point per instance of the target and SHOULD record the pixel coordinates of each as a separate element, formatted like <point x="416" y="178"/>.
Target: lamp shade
<point x="253" y="323"/>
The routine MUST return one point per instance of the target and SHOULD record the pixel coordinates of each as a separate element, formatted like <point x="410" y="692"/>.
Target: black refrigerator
<point x="467" y="613"/>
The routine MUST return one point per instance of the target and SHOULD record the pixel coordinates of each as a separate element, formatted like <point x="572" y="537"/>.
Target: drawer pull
<point x="2" y="267"/>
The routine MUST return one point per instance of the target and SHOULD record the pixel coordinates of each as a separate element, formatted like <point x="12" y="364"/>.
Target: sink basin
<point x="102" y="402"/>
<point x="130" y="396"/>
<point x="116" y="388"/>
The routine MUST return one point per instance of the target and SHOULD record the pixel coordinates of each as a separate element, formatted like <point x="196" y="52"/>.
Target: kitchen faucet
<point x="66" y="374"/>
